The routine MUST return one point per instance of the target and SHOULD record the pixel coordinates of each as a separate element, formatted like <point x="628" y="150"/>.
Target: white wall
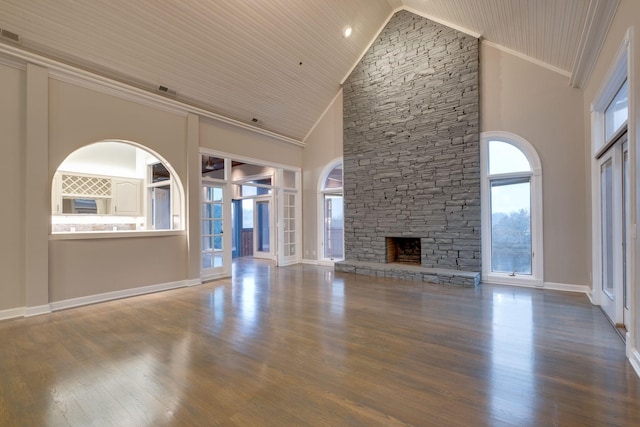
<point x="537" y="104"/>
<point x="244" y="143"/>
<point x="12" y="170"/>
<point x="79" y="268"/>
<point x="324" y="144"/>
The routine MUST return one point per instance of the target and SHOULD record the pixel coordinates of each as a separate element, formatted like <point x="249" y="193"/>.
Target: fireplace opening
<point x="403" y="250"/>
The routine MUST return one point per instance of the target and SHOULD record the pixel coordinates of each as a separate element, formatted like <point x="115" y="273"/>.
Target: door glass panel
<point x="606" y="194"/>
<point x="247" y="214"/>
<point x="161" y="207"/>
<point x="289" y="221"/>
<point x="511" y="226"/>
<point x="212" y="227"/>
<point x="333" y="226"/>
<point x="263" y="230"/>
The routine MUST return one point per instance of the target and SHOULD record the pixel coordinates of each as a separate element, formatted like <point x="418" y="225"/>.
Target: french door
<point x="212" y="231"/>
<point x="614" y="231"/>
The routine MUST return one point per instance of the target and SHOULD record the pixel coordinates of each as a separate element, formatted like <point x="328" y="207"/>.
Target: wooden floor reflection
<point x="303" y="345"/>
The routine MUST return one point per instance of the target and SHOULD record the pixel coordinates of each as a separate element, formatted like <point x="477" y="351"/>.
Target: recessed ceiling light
<point x="347" y="31"/>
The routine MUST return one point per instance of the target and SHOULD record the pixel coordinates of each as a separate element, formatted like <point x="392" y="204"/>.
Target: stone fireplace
<point x="412" y="155"/>
<point x="403" y="250"/>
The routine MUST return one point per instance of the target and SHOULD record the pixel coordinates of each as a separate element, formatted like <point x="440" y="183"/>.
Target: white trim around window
<point x="321" y="220"/>
<point x="536" y="278"/>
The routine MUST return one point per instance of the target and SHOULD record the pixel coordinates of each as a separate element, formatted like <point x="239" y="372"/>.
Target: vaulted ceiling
<point x="273" y="64"/>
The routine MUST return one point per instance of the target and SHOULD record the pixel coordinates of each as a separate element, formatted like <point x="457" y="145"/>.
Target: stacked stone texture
<point x="411" y="145"/>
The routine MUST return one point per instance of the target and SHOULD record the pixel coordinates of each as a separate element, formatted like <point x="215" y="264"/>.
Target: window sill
<point x="115" y="234"/>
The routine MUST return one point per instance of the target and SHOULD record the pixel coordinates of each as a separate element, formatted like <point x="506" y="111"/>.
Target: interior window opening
<point x="115" y="186"/>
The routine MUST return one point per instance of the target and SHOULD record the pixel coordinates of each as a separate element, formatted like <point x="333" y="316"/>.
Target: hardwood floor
<point x="303" y="346"/>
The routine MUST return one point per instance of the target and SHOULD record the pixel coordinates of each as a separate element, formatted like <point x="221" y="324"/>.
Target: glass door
<point x="263" y="229"/>
<point x="626" y="230"/>
<point x="614" y="231"/>
<point x="212" y="230"/>
<point x="607" y="236"/>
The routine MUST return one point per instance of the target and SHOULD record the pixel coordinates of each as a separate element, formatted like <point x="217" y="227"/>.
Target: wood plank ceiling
<point x="278" y="61"/>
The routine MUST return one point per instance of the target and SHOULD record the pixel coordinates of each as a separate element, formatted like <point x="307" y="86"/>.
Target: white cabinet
<point x="126" y="199"/>
<point x="113" y="196"/>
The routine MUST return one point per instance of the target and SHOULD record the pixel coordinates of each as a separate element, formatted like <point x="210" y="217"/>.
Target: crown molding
<point x="467" y="31"/>
<point x="13" y="62"/>
<point x="527" y="58"/>
<point x="597" y="23"/>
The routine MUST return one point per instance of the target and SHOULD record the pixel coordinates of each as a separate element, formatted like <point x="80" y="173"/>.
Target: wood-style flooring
<point x="303" y="345"/>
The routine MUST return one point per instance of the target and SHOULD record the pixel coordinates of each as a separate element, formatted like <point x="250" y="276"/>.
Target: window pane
<point x="161" y="207"/>
<point x="217" y="260"/>
<point x="333" y="227"/>
<point x="247" y="214"/>
<point x="207" y="244"/>
<point x="159" y="173"/>
<point x="217" y="243"/>
<point x="207" y="227"/>
<point x="617" y="112"/>
<point x="248" y="190"/>
<point x="511" y="226"/>
<point x="212" y="167"/>
<point x="505" y="158"/>
<point x="207" y="261"/>
<point x="263" y="244"/>
<point x="288" y="179"/>
<point x="334" y="179"/>
<point x="207" y="210"/>
<point x="217" y="210"/>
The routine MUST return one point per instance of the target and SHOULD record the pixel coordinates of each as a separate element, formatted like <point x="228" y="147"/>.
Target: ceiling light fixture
<point x="347" y="31"/>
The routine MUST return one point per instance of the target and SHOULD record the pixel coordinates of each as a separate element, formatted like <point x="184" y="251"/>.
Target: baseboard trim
<point x="317" y="262"/>
<point x="212" y="277"/>
<point x="521" y="282"/>
<point x="568" y="287"/>
<point x="289" y="262"/>
<point x="194" y="282"/>
<point x="37" y="310"/>
<point x="12" y="313"/>
<point x="109" y="296"/>
<point x="635" y="361"/>
<point x="565" y="287"/>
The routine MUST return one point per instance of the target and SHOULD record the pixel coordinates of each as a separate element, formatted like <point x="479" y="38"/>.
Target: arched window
<point x="331" y="239"/>
<point x="115" y="186"/>
<point x="511" y="210"/>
